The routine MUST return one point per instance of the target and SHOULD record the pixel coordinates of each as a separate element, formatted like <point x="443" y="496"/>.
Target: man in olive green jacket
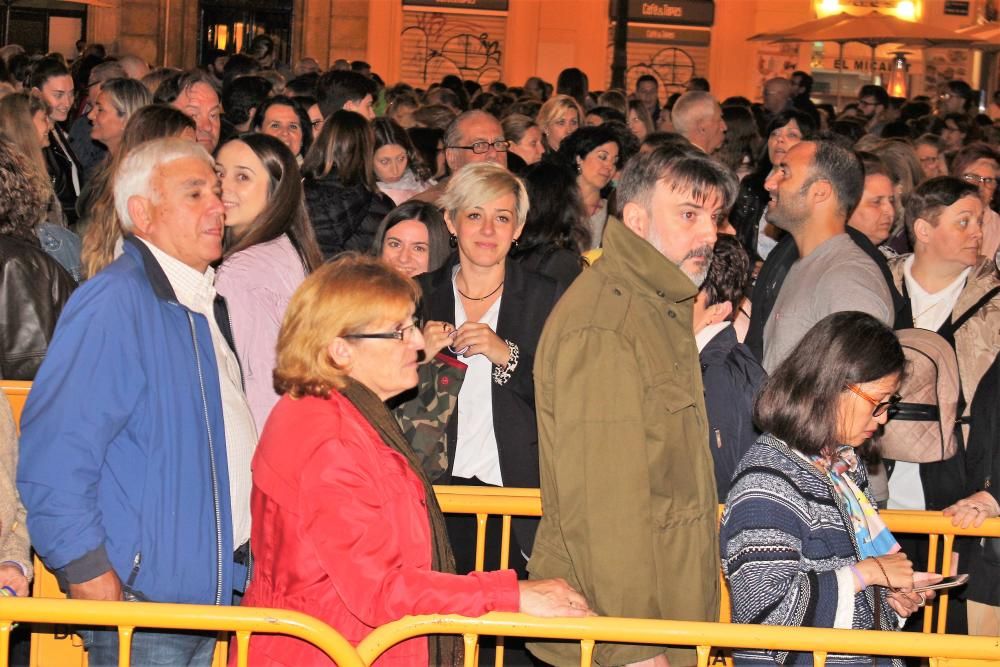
<point x="628" y="490"/>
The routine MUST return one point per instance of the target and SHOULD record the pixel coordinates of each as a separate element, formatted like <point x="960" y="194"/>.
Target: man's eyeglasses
<point x="402" y="333"/>
<point x="880" y="407"/>
<point x="979" y="180"/>
<point x="481" y="147"/>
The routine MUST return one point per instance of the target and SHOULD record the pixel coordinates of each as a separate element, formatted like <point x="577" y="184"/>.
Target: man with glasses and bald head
<point x="474" y="136"/>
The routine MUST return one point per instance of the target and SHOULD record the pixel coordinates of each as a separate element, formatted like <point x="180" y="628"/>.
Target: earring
<point x="452" y="240"/>
<point x="513" y="243"/>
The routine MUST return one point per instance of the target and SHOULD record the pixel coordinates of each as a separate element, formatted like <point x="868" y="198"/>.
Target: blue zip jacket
<point x="123" y="452"/>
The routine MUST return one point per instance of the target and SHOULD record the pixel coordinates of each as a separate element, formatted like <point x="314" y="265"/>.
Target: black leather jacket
<point x="33" y="290"/>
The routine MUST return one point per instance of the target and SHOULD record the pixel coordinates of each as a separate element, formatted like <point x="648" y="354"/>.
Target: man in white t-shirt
<point x="813" y="190"/>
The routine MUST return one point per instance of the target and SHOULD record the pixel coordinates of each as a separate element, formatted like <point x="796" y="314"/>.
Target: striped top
<point x="787" y="546"/>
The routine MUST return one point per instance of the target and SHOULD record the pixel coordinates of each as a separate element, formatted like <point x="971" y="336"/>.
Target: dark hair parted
<point x="972" y="153"/>
<point x="933" y="195"/>
<point x="556" y="217"/>
<point x="728" y="274"/>
<point x="698" y="174"/>
<point x="873" y="165"/>
<point x="300" y="111"/>
<point x="798" y="403"/>
<point x="337" y="87"/>
<point x="430" y="216"/>
<point x="584" y="141"/>
<point x="285" y="210"/>
<point x="346" y="144"/>
<point x="842" y="169"/>
<point x="45" y="69"/>
<point x="387" y="133"/>
<point x="243" y="95"/>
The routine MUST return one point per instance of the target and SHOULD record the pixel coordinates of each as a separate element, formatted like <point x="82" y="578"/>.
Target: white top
<point x="705" y="336"/>
<point x="930" y="311"/>
<point x="476" y="451"/>
<point x="765" y="244"/>
<point x="196" y="291"/>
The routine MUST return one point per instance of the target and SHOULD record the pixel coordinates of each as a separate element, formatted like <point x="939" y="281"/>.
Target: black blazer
<point x="527" y="300"/>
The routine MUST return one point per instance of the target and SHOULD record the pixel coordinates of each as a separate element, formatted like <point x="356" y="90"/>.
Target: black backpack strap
<point x="948" y="329"/>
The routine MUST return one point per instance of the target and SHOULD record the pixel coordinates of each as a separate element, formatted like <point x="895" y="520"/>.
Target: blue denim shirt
<point x="62" y="245"/>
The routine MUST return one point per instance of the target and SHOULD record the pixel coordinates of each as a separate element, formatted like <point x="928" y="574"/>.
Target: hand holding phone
<point x="930" y="581"/>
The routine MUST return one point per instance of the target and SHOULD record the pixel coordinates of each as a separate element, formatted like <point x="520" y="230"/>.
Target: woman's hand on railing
<point x="550" y="598"/>
<point x="972" y="511"/>
<point x="11" y="575"/>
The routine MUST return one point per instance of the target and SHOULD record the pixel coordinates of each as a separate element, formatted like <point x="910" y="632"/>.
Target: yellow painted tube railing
<point x="703" y="636"/>
<point x="128" y="616"/>
<point x="510" y="502"/>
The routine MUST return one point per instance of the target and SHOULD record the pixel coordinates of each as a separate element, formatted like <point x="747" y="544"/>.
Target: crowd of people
<point x="264" y="309"/>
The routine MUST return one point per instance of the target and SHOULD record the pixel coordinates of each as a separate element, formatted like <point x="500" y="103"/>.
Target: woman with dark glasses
<point x="802" y="542"/>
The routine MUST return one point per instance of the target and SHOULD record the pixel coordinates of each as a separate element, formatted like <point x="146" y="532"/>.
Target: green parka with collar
<point x="628" y="490"/>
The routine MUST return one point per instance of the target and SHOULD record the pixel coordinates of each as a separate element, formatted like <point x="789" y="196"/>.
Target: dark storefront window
<point x="230" y="26"/>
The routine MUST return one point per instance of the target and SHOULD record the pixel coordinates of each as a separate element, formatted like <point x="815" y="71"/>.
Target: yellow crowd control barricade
<point x="704" y="637"/>
<point x="515" y="502"/>
<point x="16" y="392"/>
<point x="128" y="616"/>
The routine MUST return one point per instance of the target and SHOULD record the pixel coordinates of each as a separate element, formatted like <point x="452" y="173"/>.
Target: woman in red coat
<point x="345" y="526"/>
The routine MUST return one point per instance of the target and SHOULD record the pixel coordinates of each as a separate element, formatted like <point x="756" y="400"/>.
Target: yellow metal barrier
<point x="128" y="616"/>
<point x="703" y="636"/>
<point x="17" y="393"/>
<point x="508" y="502"/>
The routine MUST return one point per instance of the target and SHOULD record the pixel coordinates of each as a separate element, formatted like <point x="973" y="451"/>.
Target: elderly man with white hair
<point x="137" y="437"/>
<point x="698" y="118"/>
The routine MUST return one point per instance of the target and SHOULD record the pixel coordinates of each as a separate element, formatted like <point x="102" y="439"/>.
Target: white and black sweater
<point x="787" y="547"/>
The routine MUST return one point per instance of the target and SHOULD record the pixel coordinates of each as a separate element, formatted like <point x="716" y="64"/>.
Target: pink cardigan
<point x="258" y="283"/>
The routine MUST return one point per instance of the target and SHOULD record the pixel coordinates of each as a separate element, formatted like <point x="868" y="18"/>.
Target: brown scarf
<point x="444" y="650"/>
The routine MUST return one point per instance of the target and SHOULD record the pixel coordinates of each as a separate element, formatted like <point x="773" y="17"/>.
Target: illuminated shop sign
<point x="679" y="12"/>
<point x="661" y="35"/>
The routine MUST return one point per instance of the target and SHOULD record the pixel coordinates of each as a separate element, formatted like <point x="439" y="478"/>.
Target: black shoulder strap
<point x="949" y="328"/>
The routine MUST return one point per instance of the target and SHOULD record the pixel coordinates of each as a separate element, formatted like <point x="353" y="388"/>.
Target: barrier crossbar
<point x="704" y="637"/>
<point x="128" y="616"/>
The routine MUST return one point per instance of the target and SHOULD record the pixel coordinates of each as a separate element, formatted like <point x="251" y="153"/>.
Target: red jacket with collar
<point x="340" y="532"/>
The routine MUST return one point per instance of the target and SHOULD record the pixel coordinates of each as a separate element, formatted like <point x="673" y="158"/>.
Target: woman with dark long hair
<point x="342" y="195"/>
<point x="555" y="232"/>
<point x="269" y="250"/>
<point x="748" y="215"/>
<point x="413" y="238"/>
<point x="595" y="154"/>
<point x="400" y="172"/>
<point x="801" y="539"/>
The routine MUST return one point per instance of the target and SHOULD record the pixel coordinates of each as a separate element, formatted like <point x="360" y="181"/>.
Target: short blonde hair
<point x="478" y="183"/>
<point x="341" y="297"/>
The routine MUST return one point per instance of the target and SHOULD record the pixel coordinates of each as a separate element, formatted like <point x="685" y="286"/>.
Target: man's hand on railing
<point x="972" y="511"/>
<point x="106" y="586"/>
<point x="550" y="598"/>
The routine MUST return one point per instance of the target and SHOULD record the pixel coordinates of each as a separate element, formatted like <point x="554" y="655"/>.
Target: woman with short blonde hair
<point x="486" y="311"/>
<point x="346" y="526"/>
<point x="559" y="118"/>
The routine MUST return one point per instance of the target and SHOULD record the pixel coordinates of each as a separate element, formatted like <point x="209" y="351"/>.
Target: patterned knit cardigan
<point x="787" y="546"/>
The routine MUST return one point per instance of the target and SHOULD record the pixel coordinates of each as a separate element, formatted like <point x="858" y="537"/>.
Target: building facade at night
<point x="419" y="41"/>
